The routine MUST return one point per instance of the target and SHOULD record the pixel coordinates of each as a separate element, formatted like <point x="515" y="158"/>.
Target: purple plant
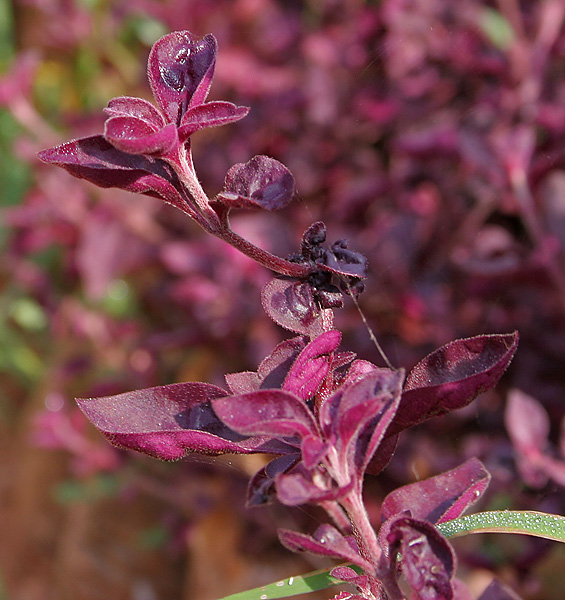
<point x="325" y="416"/>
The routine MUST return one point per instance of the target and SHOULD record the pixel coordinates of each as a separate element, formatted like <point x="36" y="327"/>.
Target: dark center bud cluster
<point x="335" y="270"/>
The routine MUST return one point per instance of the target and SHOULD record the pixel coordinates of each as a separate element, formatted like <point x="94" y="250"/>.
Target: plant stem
<point x="271" y="261"/>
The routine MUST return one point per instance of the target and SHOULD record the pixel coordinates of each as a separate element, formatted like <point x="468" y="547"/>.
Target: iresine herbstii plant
<point x="326" y="417"/>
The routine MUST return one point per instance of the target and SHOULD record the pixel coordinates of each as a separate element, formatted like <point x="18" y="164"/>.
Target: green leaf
<point x="528" y="522"/>
<point x="285" y="588"/>
<point x="496" y="28"/>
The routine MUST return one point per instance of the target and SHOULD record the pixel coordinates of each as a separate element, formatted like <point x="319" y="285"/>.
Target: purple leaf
<point x="272" y="371"/>
<point x="297" y="487"/>
<point x="266" y="412"/>
<point x="262" y="182"/>
<point x="127" y="106"/>
<point x="312" y="365"/>
<point x="326" y="541"/>
<point x="135" y="136"/>
<point x="242" y="383"/>
<point x="365" y="412"/>
<point x="96" y="160"/>
<point x="313" y="450"/>
<point x="167" y="421"/>
<point x="453" y="376"/>
<point x="428" y="561"/>
<point x="290" y="304"/>
<point x="210" y="114"/>
<point x="274" y="368"/>
<point x="180" y="70"/>
<point x="440" y="498"/>
<point x="527" y="423"/>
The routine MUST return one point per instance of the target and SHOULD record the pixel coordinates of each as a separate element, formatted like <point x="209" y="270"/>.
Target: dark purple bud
<point x="344" y="262"/>
<point x="261" y="182"/>
<point x="314" y="236"/>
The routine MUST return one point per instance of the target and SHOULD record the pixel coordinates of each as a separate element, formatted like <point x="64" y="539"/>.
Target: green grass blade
<point x="285" y="588"/>
<point x="529" y="522"/>
<point x="550" y="527"/>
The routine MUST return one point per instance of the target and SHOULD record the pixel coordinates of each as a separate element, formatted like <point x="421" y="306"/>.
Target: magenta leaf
<point x="167" y="421"/>
<point x="136" y="136"/>
<point x="358" y="417"/>
<point x="274" y="368"/>
<point x="210" y="114"/>
<point x="440" y="498"/>
<point x="180" y="70"/>
<point x="313" y="451"/>
<point x="241" y="383"/>
<point x="312" y="365"/>
<point x="298" y="487"/>
<point x="453" y="376"/>
<point x="96" y="160"/>
<point x="326" y="541"/>
<point x="262" y="182"/>
<point x="266" y="412"/>
<point x="427" y="560"/>
<point x="128" y="106"/>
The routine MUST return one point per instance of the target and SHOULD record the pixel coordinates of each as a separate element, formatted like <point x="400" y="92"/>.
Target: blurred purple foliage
<point x="428" y="133"/>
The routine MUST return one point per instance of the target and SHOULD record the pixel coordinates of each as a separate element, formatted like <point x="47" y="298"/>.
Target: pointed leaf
<point x="136" y="136"/>
<point x="440" y="498"/>
<point x="180" y="70"/>
<point x="96" y="160"/>
<point x="274" y="368"/>
<point x="210" y="114"/>
<point x="312" y="365"/>
<point x="167" y="421"/>
<point x="373" y="403"/>
<point x="266" y="412"/>
<point x="326" y="541"/>
<point x="453" y="376"/>
<point x="262" y="182"/>
<point x="127" y="106"/>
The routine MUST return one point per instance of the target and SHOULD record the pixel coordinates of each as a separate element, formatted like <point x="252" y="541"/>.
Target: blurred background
<point x="428" y="133"/>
